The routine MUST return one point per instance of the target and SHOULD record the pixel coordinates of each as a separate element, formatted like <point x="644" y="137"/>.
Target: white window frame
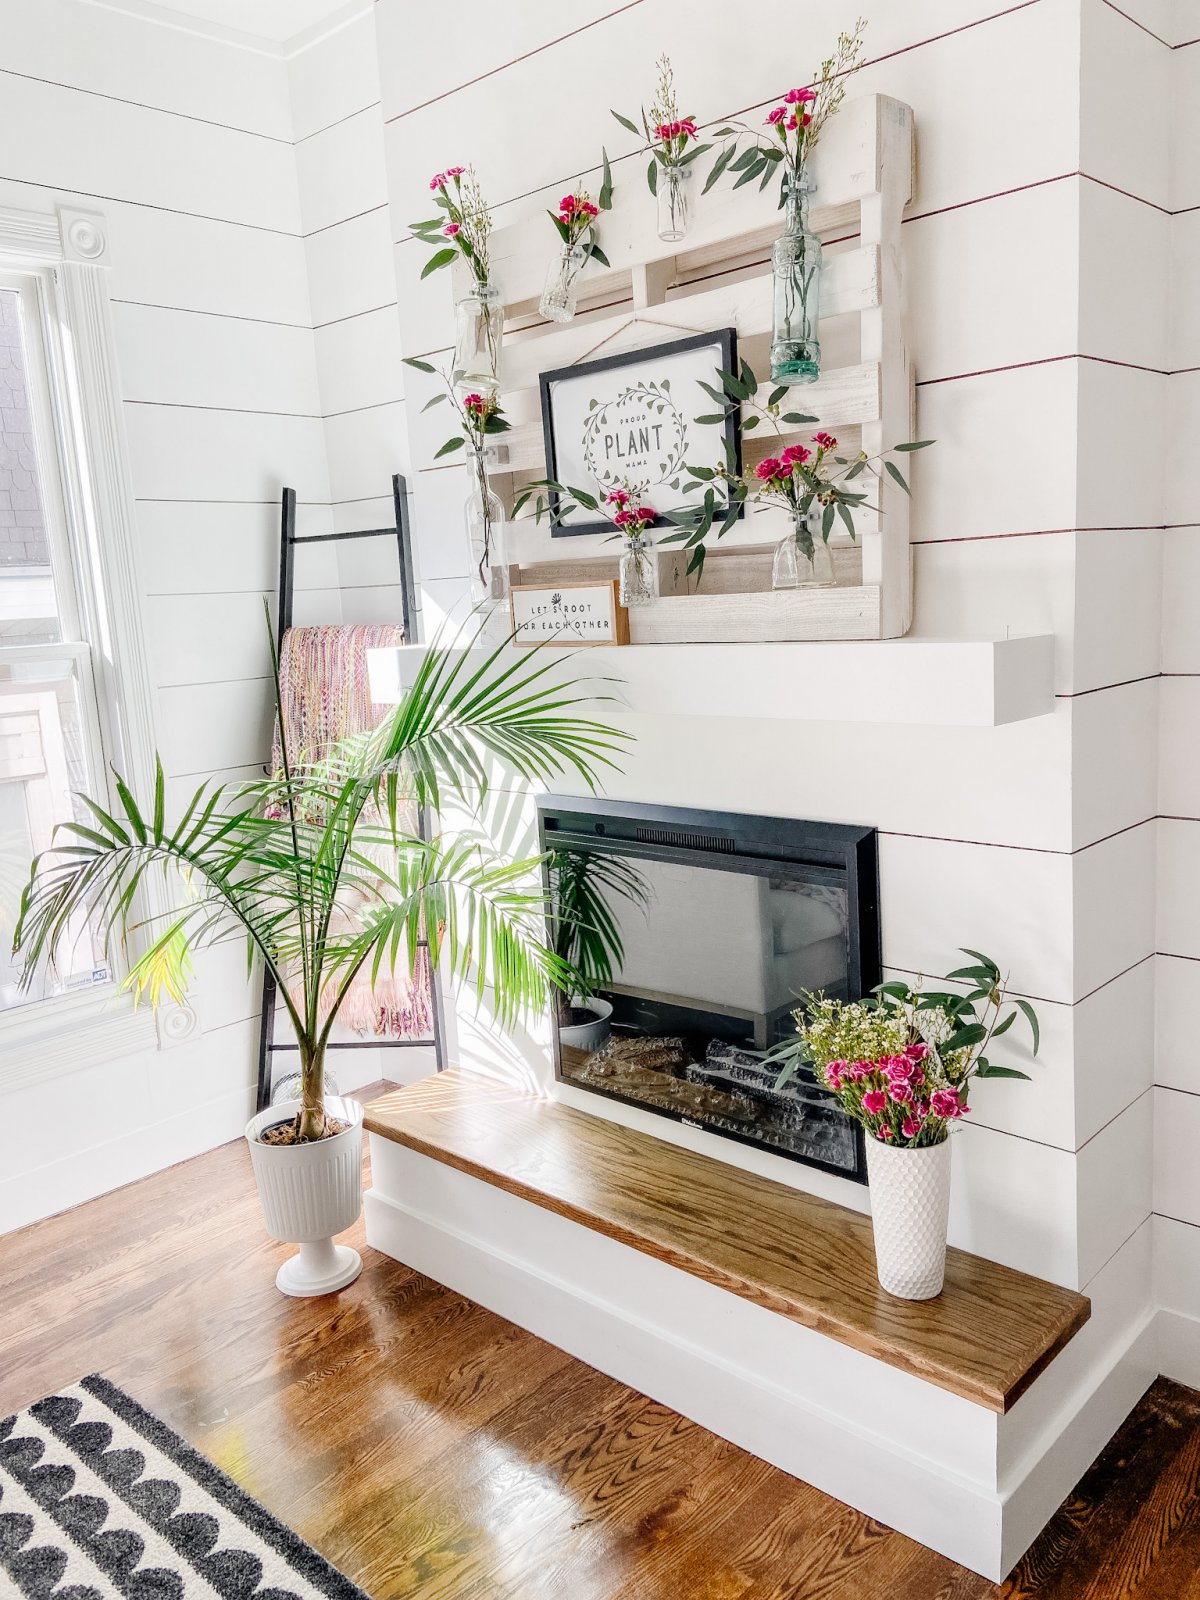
<point x="63" y="256"/>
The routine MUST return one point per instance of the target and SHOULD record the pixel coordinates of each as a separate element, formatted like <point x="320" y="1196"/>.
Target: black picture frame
<point x="723" y="342"/>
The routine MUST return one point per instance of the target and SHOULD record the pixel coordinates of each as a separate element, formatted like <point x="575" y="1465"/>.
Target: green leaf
<point x="564" y="231"/>
<point x="827" y="517"/>
<point x="450" y="446"/>
<point x="421" y="366"/>
<point x="625" y="123"/>
<point x="604" y="199"/>
<point x="652" y="176"/>
<point x="436" y="400"/>
<point x="718" y="167"/>
<point x="596" y="254"/>
<point x="711" y="419"/>
<point x="776" y="395"/>
<point x="844" y="513"/>
<point x="894" y="472"/>
<point x="983" y="975"/>
<point x="443" y="258"/>
<point x="797" y="419"/>
<point x="915" y="444"/>
<point x="750" y="422"/>
<point x="692" y="154"/>
<point x="974" y="1033"/>
<point x="986" y="1069"/>
<point x="1030" y="1016"/>
<point x="1003" y="1027"/>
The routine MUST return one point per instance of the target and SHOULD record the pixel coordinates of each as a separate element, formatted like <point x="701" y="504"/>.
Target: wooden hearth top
<point x="986" y="1337"/>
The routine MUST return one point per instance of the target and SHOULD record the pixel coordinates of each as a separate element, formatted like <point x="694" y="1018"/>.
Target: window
<point x="74" y="684"/>
<point x="50" y="734"/>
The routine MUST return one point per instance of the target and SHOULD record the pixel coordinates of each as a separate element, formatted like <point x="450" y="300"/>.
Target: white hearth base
<point x="976" y="1486"/>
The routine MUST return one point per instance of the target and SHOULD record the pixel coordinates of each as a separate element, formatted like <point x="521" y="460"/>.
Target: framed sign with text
<point x="630" y="420"/>
<point x="587" y="612"/>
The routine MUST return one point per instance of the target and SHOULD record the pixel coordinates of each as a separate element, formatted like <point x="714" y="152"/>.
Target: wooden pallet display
<point x="721" y="277"/>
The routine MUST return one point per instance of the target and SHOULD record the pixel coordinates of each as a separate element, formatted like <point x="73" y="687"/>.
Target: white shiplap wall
<point x="988" y="837"/>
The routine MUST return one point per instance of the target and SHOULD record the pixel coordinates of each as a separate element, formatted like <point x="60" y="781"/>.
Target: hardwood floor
<point x="433" y="1450"/>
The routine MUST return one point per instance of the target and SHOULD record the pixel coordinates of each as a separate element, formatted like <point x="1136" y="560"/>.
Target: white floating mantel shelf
<point x="922" y="682"/>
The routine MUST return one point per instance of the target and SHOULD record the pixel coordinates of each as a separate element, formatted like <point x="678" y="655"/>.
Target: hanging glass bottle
<point x="803" y="559"/>
<point x="558" y="297"/>
<point x="674" y="202"/>
<point x="796" y="260"/>
<point x="487" y="556"/>
<point x="479" y="331"/>
<point x="638" y="573"/>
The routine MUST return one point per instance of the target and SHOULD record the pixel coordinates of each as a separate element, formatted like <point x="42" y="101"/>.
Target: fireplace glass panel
<point x="714" y="960"/>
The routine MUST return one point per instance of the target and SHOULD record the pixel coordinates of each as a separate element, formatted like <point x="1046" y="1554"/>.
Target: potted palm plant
<point x="585" y="936"/>
<point x="316" y="871"/>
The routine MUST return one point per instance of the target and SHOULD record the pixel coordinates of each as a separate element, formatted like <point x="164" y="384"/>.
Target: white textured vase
<point x="910" y="1211"/>
<point x="309" y="1192"/>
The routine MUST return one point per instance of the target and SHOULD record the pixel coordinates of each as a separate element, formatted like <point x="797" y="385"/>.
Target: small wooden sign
<point x="568" y="614"/>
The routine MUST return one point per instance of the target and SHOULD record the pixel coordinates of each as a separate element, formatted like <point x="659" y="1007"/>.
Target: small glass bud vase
<point x="796" y="262"/>
<point x="638" y="574"/>
<point x="803" y="559"/>
<point x="558" y="297"/>
<point x="479" y="332"/>
<point x="674" y="202"/>
<point x="487" y="568"/>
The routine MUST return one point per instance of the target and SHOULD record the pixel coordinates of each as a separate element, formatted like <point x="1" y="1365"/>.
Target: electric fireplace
<point x="713" y="927"/>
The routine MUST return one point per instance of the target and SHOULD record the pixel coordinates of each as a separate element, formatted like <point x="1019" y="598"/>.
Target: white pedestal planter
<point x="588" y="1035"/>
<point x="309" y="1192"/>
<point x="910" y="1210"/>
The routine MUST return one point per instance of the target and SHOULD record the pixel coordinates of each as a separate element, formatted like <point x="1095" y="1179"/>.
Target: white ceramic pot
<point x="910" y="1211"/>
<point x="588" y="1035"/>
<point x="309" y="1192"/>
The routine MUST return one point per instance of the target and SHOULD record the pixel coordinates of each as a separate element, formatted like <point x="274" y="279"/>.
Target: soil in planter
<point x="286" y="1132"/>
<point x="581" y="1017"/>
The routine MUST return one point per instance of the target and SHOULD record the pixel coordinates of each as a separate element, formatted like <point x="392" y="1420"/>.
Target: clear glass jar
<point x="796" y="262"/>
<point x="803" y="559"/>
<point x="674" y="202"/>
<point x="487" y="557"/>
<point x="638" y="574"/>
<point x="479" y="333"/>
<point x="558" y="297"/>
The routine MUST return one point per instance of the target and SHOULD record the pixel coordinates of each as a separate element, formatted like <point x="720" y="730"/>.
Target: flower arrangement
<point x="671" y="138"/>
<point x="901" y="1062"/>
<point x="629" y="517"/>
<point x="576" y="218"/>
<point x="464" y="220"/>
<point x="796" y="478"/>
<point x="479" y="419"/>
<point x="626" y="509"/>
<point x="793" y="127"/>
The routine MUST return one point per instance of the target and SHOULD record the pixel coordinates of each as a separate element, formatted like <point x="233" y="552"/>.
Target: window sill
<point x="51" y="1038"/>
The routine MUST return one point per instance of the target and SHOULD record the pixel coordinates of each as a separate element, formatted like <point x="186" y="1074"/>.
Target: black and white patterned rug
<point x="98" y="1499"/>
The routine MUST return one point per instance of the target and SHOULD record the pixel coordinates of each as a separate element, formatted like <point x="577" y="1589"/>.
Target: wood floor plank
<point x="434" y="1451"/>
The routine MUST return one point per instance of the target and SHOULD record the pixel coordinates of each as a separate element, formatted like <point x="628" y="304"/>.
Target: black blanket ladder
<point x="289" y="543"/>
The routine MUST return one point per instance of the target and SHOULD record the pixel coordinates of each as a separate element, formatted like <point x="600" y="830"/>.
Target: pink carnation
<point x="898" y="1069"/>
<point x="801" y="97"/>
<point x="588" y="209"/>
<point x="455" y="172"/>
<point x="833" y="1073"/>
<point x="883" y="1133"/>
<point x="768" y="469"/>
<point x="944" y="1103"/>
<point x="451" y="229"/>
<point x="686" y="126"/>
<point x="825" y="440"/>
<point x="777" y="115"/>
<point x="617" y="498"/>
<point x="857" y="1070"/>
<point x="663" y="131"/>
<point x="918" y="1051"/>
<point x="568" y="203"/>
<point x="874" y="1101"/>
<point x="795" y="453"/>
<point x="438" y="181"/>
<point x="646" y="514"/>
<point x="474" y="404"/>
<point x="901" y="1093"/>
<point x="910" y="1127"/>
<point x="801" y="121"/>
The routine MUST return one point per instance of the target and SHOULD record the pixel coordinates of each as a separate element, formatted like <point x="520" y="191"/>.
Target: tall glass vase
<point x="487" y="556"/>
<point x="558" y="297"/>
<point x="803" y="559"/>
<point x="479" y="331"/>
<point x="638" y="574"/>
<point x="674" y="202"/>
<point x="796" y="261"/>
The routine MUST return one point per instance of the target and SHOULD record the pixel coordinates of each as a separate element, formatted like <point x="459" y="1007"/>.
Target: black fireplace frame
<point x="734" y="841"/>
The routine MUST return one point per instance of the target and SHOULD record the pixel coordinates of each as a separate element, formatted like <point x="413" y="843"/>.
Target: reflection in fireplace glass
<point x="711" y="965"/>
